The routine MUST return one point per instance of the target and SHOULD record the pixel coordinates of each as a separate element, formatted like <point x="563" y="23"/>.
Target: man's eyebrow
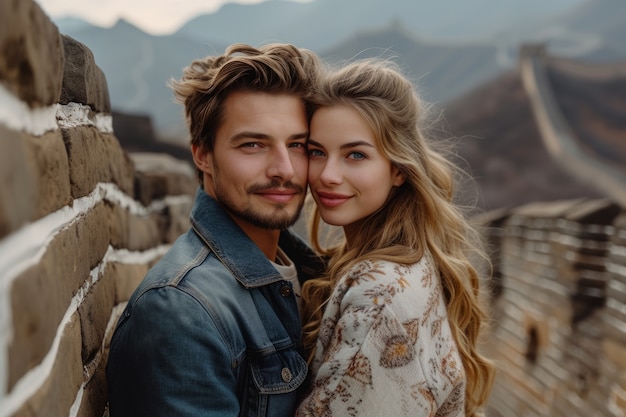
<point x="249" y="135"/>
<point x="259" y="135"/>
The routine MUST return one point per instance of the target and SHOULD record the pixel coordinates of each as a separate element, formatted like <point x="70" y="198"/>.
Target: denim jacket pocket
<point x="278" y="372"/>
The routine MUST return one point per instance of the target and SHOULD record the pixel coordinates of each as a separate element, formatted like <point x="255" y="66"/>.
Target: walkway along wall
<point x="556" y="132"/>
<point x="81" y="221"/>
<point x="559" y="332"/>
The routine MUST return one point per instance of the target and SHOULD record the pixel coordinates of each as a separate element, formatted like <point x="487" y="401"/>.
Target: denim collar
<point x="240" y="255"/>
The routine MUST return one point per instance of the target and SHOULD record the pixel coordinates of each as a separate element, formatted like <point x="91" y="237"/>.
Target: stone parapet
<point x="559" y="327"/>
<point x="81" y="220"/>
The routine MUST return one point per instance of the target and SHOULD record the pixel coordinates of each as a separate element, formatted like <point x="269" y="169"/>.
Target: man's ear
<point x="202" y="159"/>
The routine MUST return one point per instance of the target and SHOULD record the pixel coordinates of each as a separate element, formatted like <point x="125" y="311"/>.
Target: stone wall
<point x="562" y="137"/>
<point x="81" y="220"/>
<point x="559" y="312"/>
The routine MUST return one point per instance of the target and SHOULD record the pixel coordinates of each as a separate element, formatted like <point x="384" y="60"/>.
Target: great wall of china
<point x="81" y="221"/>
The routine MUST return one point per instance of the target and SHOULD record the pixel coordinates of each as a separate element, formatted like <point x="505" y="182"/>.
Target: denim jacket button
<point x="286" y="374"/>
<point x="285" y="290"/>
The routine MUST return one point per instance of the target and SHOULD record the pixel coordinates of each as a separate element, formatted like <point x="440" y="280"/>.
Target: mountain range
<point x="448" y="47"/>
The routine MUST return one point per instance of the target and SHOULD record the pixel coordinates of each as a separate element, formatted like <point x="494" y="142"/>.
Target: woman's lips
<point x="331" y="199"/>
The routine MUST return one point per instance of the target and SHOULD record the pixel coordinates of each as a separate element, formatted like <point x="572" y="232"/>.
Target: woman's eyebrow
<point x="355" y="144"/>
<point x="345" y="145"/>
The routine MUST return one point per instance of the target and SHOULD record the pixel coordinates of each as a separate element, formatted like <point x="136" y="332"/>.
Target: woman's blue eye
<point x="357" y="155"/>
<point x="315" y="152"/>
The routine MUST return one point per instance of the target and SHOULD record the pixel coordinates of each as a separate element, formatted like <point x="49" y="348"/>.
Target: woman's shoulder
<point x="372" y="271"/>
<point x="375" y="280"/>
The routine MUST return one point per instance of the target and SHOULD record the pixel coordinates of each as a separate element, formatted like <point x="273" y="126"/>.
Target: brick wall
<point x="559" y="315"/>
<point x="81" y="220"/>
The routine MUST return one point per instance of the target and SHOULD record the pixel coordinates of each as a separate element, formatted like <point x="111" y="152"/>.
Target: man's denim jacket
<point x="213" y="329"/>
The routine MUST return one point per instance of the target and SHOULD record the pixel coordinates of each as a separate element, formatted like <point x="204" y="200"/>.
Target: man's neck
<point x="265" y="239"/>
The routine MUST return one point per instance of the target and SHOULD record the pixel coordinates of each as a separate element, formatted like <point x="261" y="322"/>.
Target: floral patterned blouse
<point x="385" y="347"/>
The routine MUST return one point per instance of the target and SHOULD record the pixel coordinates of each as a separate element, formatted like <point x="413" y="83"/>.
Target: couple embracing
<point x="242" y="318"/>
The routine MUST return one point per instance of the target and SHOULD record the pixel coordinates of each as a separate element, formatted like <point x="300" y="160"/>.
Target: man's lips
<point x="278" y="195"/>
<point x="331" y="199"/>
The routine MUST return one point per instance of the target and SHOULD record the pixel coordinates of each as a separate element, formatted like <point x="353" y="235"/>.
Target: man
<point x="214" y="329"/>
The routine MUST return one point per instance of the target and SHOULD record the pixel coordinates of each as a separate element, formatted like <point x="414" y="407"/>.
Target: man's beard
<point x="277" y="221"/>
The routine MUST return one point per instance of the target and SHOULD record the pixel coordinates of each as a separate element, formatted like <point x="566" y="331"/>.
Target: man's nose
<point x="280" y="164"/>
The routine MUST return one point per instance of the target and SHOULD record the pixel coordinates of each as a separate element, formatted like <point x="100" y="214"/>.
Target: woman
<point x="393" y="326"/>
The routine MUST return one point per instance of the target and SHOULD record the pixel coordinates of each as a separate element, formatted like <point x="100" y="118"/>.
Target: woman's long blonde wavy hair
<point x="419" y="215"/>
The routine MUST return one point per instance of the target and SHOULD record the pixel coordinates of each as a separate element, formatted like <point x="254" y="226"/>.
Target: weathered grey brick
<point x="134" y="232"/>
<point x="96" y="157"/>
<point x="65" y="266"/>
<point x="52" y="172"/>
<point x="34" y="173"/>
<point x="94" y="313"/>
<point x="59" y="390"/>
<point x="145" y="232"/>
<point x="127" y="277"/>
<point x="19" y="187"/>
<point x="33" y="57"/>
<point x="161" y="175"/>
<point x="83" y="81"/>
<point x="35" y="323"/>
<point x="177" y="216"/>
<point x="95" y="394"/>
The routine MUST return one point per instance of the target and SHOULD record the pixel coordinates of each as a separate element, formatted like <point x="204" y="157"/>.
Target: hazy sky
<point x="152" y="16"/>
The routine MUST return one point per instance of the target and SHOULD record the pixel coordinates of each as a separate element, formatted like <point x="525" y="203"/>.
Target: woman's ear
<point x="397" y="175"/>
